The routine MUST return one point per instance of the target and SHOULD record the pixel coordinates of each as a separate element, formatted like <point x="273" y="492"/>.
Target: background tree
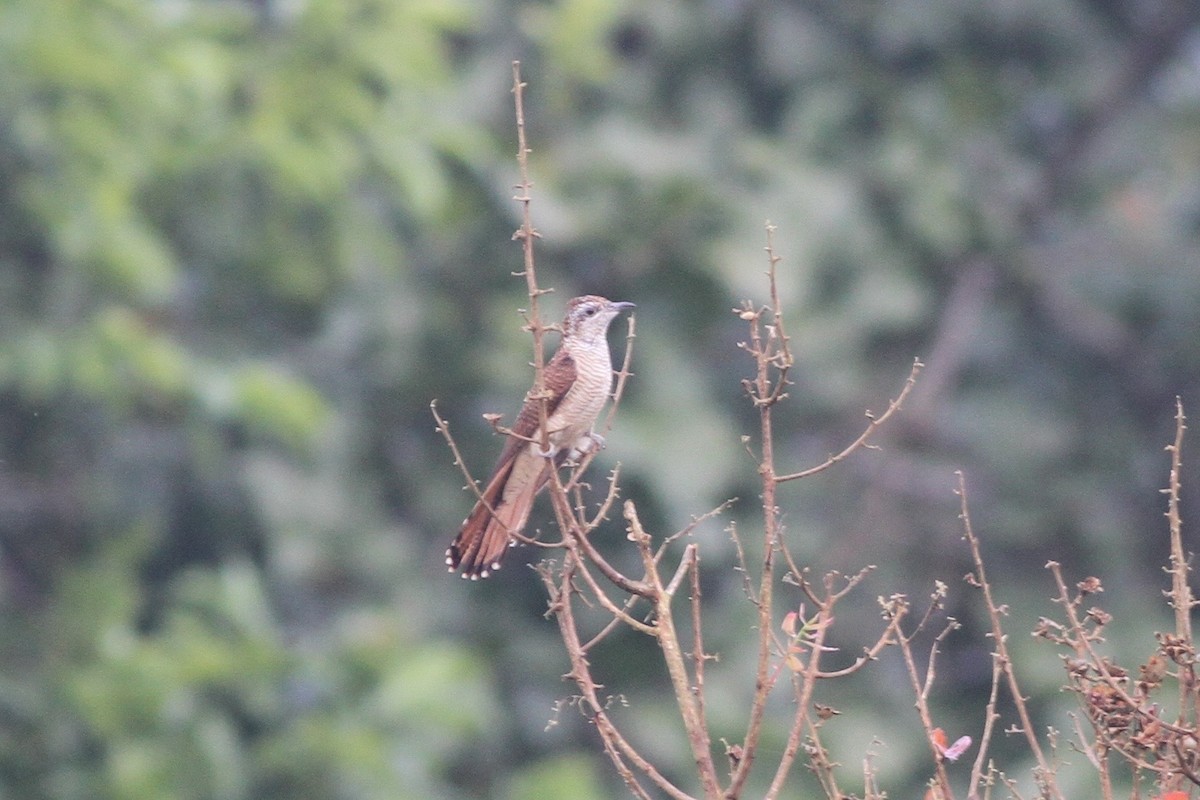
<point x="242" y="245"/>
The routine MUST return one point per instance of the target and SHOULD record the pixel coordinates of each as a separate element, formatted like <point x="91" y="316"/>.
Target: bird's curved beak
<point x="623" y="305"/>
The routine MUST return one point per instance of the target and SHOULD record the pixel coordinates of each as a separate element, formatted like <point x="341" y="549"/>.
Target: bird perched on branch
<point x="578" y="380"/>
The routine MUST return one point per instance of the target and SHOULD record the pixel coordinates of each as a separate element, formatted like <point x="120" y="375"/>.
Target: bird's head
<point x="588" y="317"/>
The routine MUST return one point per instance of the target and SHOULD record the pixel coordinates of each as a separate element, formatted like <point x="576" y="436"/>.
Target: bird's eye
<point x="591" y="311"/>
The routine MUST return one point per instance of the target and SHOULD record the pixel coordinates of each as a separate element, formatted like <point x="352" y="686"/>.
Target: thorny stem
<point x="1181" y="591"/>
<point x="1045" y="771"/>
<point x="526" y="234"/>
<point x="804" y="686"/>
<point x="769" y="346"/>
<point x="989" y="725"/>
<point x="577" y="534"/>
<point x="872" y="426"/>
<point x="443" y="427"/>
<point x="698" y="654"/>
<point x="820" y="763"/>
<point x="617" y="746"/>
<point x="1165" y="749"/>
<point x="688" y="701"/>
<point x="574" y="524"/>
<point x="922" y="688"/>
<point x="765" y="397"/>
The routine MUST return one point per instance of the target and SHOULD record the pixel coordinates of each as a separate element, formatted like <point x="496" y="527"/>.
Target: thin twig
<point x="614" y="623"/>
<point x="443" y="427"/>
<point x="764" y="396"/>
<point x="672" y="653"/>
<point x="1181" y="590"/>
<point x="526" y="234"/>
<point x="686" y="530"/>
<point x="872" y="426"/>
<point x="617" y="746"/>
<point x="804" y="683"/>
<point x="989" y="724"/>
<point x="623" y="374"/>
<point x="699" y="657"/>
<point x="1045" y="773"/>
<point x="577" y="531"/>
<point x="922" y="688"/>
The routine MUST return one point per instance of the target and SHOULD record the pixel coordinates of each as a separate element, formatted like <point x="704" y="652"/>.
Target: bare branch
<point x="1045" y="770"/>
<point x="872" y="426"/>
<point x="698" y="654"/>
<point x="922" y="688"/>
<point x="889" y="637"/>
<point x="579" y="536"/>
<point x="616" y="745"/>
<point x="623" y="374"/>
<point x="1181" y="591"/>
<point x="686" y="530"/>
<point x="804" y="684"/>
<point x="672" y="653"/>
<point x="614" y="623"/>
<point x="989" y="725"/>
<point x="764" y="397"/>
<point x="443" y="427"/>
<point x="742" y="566"/>
<point x="619" y="613"/>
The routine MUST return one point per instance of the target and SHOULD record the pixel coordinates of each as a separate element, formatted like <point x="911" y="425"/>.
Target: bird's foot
<point x="584" y="445"/>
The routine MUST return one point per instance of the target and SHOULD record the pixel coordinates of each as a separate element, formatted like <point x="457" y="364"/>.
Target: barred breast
<point x="578" y="410"/>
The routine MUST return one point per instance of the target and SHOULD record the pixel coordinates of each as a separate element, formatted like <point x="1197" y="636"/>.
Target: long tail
<point x="488" y="530"/>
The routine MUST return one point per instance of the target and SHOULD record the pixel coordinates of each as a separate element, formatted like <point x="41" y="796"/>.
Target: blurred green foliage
<point x="243" y="244"/>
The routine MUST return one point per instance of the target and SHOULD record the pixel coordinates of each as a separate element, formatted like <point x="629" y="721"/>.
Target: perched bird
<point x="578" y="380"/>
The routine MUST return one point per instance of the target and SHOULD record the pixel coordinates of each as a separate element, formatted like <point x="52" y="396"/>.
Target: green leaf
<point x="278" y="405"/>
<point x="565" y="776"/>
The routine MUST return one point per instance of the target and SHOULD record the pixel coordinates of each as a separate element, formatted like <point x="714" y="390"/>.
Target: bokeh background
<point x="244" y="243"/>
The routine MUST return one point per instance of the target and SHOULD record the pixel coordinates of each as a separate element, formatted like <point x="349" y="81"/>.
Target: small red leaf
<point x="954" y="751"/>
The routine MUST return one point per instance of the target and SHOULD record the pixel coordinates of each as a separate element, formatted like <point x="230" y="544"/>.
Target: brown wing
<point x="484" y="536"/>
<point x="559" y="375"/>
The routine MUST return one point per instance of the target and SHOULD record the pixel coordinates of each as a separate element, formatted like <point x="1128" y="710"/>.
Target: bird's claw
<point x="583" y="445"/>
